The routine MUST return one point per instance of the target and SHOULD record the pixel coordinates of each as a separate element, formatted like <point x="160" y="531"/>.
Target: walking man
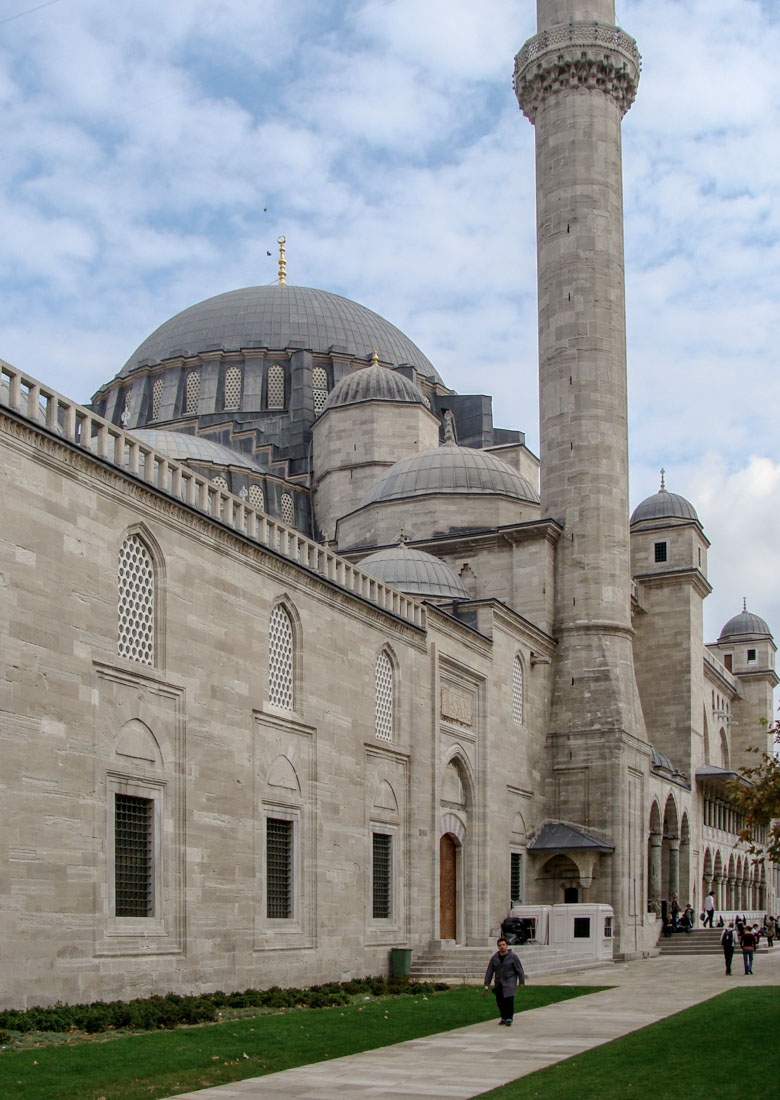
<point x="709" y="909"/>
<point x="507" y="969"/>
<point x="727" y="943"/>
<point x="748" y="948"/>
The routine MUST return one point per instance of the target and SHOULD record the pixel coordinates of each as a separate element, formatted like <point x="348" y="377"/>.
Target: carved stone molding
<point x="577" y="55"/>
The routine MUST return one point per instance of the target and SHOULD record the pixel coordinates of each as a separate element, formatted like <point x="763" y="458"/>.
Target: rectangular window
<point x="382" y="876"/>
<point x="661" y="551"/>
<point x="727" y="658"/>
<point x="279" y="868"/>
<point x="751" y="655"/>
<point x="607" y="928"/>
<point x="516" y="874"/>
<point x="133" y="862"/>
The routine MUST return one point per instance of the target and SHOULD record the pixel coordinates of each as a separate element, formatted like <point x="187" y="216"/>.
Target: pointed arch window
<point x="288" y="510"/>
<point x="192" y="397"/>
<point x="517" y="690"/>
<point x="232" y="388"/>
<point x="384" y="696"/>
<point x="256" y="497"/>
<point x="281" y="658"/>
<point x="136" y="601"/>
<point x="275" y="386"/>
<point x="157" y="393"/>
<point x="319" y="389"/>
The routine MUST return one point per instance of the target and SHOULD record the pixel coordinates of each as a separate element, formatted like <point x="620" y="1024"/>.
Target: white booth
<point x="582" y="928"/>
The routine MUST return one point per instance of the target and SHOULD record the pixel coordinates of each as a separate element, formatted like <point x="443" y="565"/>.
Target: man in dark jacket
<point x="507" y="969"/>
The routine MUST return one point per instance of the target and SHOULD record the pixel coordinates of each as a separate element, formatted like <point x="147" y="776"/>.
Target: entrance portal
<point x="448" y="887"/>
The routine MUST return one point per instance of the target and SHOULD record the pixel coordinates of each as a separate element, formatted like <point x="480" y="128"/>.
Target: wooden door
<point x="448" y="887"/>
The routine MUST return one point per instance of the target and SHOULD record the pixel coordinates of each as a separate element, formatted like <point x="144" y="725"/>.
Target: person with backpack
<point x="727" y="943"/>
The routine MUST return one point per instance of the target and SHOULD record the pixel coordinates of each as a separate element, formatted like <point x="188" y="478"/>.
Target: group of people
<point x="748" y="937"/>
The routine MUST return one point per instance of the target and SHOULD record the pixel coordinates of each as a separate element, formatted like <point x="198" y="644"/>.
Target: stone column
<point x="654" y="886"/>
<point x="574" y="80"/>
<point x="674" y="866"/>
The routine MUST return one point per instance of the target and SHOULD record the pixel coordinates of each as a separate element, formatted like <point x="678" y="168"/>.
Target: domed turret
<point x="745" y="624"/>
<point x="664" y="505"/>
<point x="414" y="572"/>
<point x="374" y="383"/>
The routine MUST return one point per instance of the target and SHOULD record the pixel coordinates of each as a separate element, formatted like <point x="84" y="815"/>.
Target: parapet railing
<point x="46" y="408"/>
<point x="578" y="34"/>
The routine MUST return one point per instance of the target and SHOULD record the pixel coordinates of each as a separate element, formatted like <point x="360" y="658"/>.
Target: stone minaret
<point x="575" y="80"/>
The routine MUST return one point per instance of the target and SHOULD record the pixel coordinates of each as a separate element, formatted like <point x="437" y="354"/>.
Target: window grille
<point x="125" y="414"/>
<point x="134" y="881"/>
<point x="279" y="868"/>
<point x="516" y="874"/>
<point x="319" y="388"/>
<point x="275" y="386"/>
<point x="193" y="392"/>
<point x="136" y="601"/>
<point x="256" y="497"/>
<point x="384" y="697"/>
<point x="661" y="552"/>
<point x="157" y="392"/>
<point x="220" y="483"/>
<point x="280" y="659"/>
<point x="517" y="691"/>
<point x="288" y="511"/>
<point x="232" y="388"/>
<point x="382" y="876"/>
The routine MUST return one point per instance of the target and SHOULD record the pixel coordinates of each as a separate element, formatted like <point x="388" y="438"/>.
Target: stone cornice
<point x="690" y="576"/>
<point x="577" y="55"/>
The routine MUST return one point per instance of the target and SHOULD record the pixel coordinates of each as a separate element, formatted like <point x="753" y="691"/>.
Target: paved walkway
<point x="456" y="1065"/>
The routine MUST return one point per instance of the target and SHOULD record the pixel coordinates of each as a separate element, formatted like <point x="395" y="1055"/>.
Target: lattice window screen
<point x="288" y="511"/>
<point x="157" y="392"/>
<point x="517" y="690"/>
<point x="133" y="880"/>
<point x="275" y="386"/>
<point x="257" y="497"/>
<point x="125" y="415"/>
<point x="280" y="659"/>
<point x="136" y="601"/>
<point x="382" y="876"/>
<point x="220" y="483"/>
<point x="279" y="868"/>
<point x="384" y="698"/>
<point x="193" y="392"/>
<point x="233" y="388"/>
<point x="319" y="388"/>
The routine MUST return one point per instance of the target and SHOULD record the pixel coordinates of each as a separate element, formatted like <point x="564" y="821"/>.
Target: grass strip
<point x="724" y="1048"/>
<point x="165" y="1063"/>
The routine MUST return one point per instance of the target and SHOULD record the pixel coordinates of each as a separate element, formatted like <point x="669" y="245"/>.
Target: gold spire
<point x="375" y="358"/>
<point x="282" y="241"/>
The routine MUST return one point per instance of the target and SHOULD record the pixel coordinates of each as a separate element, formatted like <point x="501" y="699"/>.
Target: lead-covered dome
<point x="374" y="383"/>
<point x="745" y="623"/>
<point x="451" y="469"/>
<point x="664" y="505"/>
<point x="183" y="447"/>
<point x="279" y="317"/>
<point x="415" y="573"/>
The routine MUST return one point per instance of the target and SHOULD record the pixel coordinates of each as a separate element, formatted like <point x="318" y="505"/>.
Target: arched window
<point x="275" y="386"/>
<point x="319" y="389"/>
<point x="288" y="511"/>
<point x="232" y="388"/>
<point x="220" y="483"/>
<point x="124" y="416"/>
<point x="136" y="596"/>
<point x="280" y="658"/>
<point x="256" y="497"/>
<point x="384" y="697"/>
<point x="193" y="393"/>
<point x="517" y="691"/>
<point x="157" y="392"/>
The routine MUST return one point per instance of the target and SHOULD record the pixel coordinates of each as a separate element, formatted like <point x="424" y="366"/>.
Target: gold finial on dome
<point x="375" y="358"/>
<point x="282" y="241"/>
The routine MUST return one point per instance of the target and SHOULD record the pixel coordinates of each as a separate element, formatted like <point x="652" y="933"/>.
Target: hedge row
<point x="174" y="1010"/>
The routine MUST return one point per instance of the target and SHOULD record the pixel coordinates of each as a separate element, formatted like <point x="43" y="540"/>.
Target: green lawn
<point x="164" y="1063"/>
<point x="723" y="1049"/>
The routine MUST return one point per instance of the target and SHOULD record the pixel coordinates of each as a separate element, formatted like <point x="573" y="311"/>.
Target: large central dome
<point x="278" y="317"/>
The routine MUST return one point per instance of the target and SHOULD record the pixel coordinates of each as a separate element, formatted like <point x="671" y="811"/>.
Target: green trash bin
<point x="400" y="962"/>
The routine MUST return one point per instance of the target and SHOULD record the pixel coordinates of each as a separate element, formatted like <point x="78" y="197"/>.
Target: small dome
<point x="451" y="469"/>
<point x="182" y="447"/>
<point x="664" y="505"/>
<point x="745" y="623"/>
<point x="279" y="317"/>
<point x="414" y="572"/>
<point x="374" y="383"/>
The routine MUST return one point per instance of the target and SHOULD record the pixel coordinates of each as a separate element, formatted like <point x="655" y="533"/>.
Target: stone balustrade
<point x="74" y="424"/>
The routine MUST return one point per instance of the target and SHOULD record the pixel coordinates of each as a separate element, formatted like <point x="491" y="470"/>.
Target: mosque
<point x="305" y="659"/>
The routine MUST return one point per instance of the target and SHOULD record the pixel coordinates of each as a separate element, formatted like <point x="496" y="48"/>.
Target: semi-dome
<point x="664" y="505"/>
<point x="451" y="469"/>
<point x="415" y="573"/>
<point x="374" y="383"/>
<point x="278" y="317"/>
<point x="182" y="447"/>
<point x="745" y="623"/>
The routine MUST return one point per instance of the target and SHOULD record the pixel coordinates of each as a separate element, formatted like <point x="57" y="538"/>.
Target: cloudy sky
<point x="153" y="151"/>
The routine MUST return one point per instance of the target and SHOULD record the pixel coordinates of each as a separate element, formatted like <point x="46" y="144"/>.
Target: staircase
<point x="454" y="963"/>
<point x="701" y="941"/>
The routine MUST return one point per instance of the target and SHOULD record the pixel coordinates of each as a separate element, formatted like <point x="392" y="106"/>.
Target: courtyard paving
<point x="456" y="1065"/>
